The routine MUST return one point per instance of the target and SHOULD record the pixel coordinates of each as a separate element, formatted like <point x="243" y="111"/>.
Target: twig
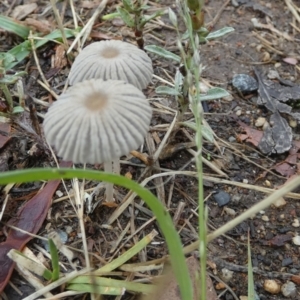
<point x="216" y="18"/>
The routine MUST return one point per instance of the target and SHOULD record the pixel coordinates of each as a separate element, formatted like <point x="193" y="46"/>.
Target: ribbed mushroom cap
<point x="112" y="60"/>
<point x="97" y="121"/>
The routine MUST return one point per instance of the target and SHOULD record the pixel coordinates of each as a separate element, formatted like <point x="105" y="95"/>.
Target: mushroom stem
<point x="111" y="167"/>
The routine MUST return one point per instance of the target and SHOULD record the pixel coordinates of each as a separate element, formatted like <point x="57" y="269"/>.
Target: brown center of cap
<point x="96" y="102"/>
<point x="110" y="52"/>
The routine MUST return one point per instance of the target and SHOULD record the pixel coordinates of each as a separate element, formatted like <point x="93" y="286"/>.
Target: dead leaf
<point x="60" y="59"/>
<point x="21" y="11"/>
<point x="5" y="129"/>
<point x="88" y="4"/>
<point x="290" y="60"/>
<point x="285" y="169"/>
<point x="278" y="240"/>
<point x="278" y="137"/>
<point x="30" y="218"/>
<point x="39" y="26"/>
<point x="167" y="288"/>
<point x="252" y="135"/>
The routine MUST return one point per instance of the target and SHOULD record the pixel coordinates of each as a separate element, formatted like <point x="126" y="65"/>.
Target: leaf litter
<point x="173" y="162"/>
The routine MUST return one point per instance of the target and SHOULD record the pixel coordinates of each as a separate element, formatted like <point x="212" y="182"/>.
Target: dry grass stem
<point x="57" y="283"/>
<point x="86" y="30"/>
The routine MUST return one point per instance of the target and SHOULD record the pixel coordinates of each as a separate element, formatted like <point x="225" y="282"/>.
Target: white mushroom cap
<point x="112" y="60"/>
<point x="97" y="121"/>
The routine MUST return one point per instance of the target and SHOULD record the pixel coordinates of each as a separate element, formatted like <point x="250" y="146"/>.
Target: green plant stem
<point x="163" y="218"/>
<point x="110" y="16"/>
<point x="8" y="96"/>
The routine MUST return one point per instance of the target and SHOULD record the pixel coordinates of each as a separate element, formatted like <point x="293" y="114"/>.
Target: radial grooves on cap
<point x="131" y="64"/>
<point x="94" y="136"/>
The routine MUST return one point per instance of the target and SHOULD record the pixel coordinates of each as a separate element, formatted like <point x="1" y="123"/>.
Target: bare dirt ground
<point x="274" y="48"/>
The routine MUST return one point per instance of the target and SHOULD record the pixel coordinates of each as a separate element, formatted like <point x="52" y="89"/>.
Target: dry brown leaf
<point x="252" y="135"/>
<point x="167" y="288"/>
<point x="21" y="11"/>
<point x="60" y="59"/>
<point x="39" y="26"/>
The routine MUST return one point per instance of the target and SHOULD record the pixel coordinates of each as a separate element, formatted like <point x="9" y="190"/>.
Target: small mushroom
<point x="112" y="60"/>
<point x="98" y="121"/>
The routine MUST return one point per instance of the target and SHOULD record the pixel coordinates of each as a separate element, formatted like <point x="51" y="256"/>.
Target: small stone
<point x="296" y="240"/>
<point x="286" y="261"/>
<point x="231" y="139"/>
<point x="265" y="218"/>
<point x="280" y="202"/>
<point x="289" y="289"/>
<point x="267" y="183"/>
<point x="220" y="286"/>
<point x="273" y="74"/>
<point x="238" y="112"/>
<point x="293" y="123"/>
<point x="260" y="122"/>
<point x="244" y="83"/>
<point x="245" y="181"/>
<point x="272" y="286"/>
<point x="222" y="198"/>
<point x="230" y="211"/>
<point x="277" y="65"/>
<point x="58" y="193"/>
<point x="296" y="223"/>
<point x="226" y="274"/>
<point x="265" y="126"/>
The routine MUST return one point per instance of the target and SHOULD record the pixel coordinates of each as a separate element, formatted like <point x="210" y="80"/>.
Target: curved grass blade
<point x="163" y="218"/>
<point x="13" y="26"/>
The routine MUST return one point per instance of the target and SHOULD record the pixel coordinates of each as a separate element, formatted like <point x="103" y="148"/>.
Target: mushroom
<point x="112" y="60"/>
<point x="97" y="121"/>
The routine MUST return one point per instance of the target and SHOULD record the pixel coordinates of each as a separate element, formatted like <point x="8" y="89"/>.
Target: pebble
<point x="226" y="274"/>
<point x="296" y="223"/>
<point x="272" y="286"/>
<point x="244" y="83"/>
<point x="222" y="198"/>
<point x="280" y="202"/>
<point x="231" y="139"/>
<point x="273" y="74"/>
<point x="286" y="261"/>
<point x="293" y="123"/>
<point x="288" y="289"/>
<point x="296" y="240"/>
<point x="265" y="126"/>
<point x="238" y="112"/>
<point x="260" y="122"/>
<point x="245" y="181"/>
<point x="277" y="65"/>
<point x="267" y="183"/>
<point x="230" y="211"/>
<point x="265" y="218"/>
<point x="59" y="193"/>
<point x="220" y="286"/>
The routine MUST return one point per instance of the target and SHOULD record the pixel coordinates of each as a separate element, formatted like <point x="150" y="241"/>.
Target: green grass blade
<point x="163" y="52"/>
<point x="29" y="264"/>
<point x="95" y="281"/>
<point x="251" y="291"/>
<point x="163" y="218"/>
<point x="127" y="255"/>
<point x="23" y="50"/>
<point x="54" y="260"/>
<point x="11" y="25"/>
<point x="93" y="289"/>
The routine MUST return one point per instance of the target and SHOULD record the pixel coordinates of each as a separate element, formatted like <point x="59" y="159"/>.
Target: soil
<point x="274" y="255"/>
